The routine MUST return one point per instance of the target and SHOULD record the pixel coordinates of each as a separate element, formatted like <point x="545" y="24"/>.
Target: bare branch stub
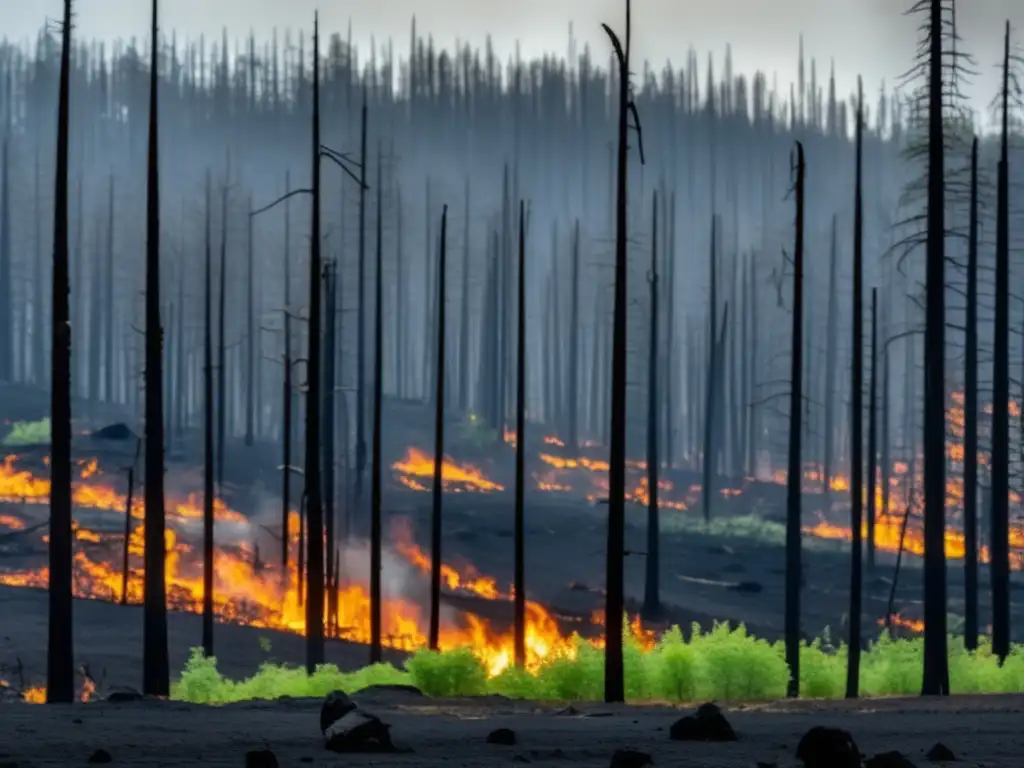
<point x="285" y="196"/>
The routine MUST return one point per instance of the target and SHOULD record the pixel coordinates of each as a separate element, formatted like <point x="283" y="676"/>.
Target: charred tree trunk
<point x="314" y="484"/>
<point x="250" y="333"/>
<point x="155" y="663"/>
<point x="831" y="351"/>
<point x="872" y="467"/>
<point x="652" y="582"/>
<point x="376" y="525"/>
<point x="464" y="399"/>
<point x="361" y="321"/>
<point x="327" y="421"/>
<point x="6" y="303"/>
<point x="971" y="421"/>
<point x="710" y="389"/>
<point x="109" y="353"/>
<point x="614" y="686"/>
<point x="438" y="488"/>
<point x="222" y="361"/>
<point x="208" y="450"/>
<point x="573" y="395"/>
<point x="287" y="394"/>
<point x="60" y="669"/>
<point x="936" y="662"/>
<point x="794" y="473"/>
<point x="999" y="521"/>
<point x="856" y="420"/>
<point x="520" y="515"/>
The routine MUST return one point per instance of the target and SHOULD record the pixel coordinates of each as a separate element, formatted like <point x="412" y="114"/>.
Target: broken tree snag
<point x="358" y="731"/>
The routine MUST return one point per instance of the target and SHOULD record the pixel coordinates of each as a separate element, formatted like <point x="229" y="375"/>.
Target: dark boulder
<point x="504" y="737"/>
<point x="119" y="431"/>
<point x="823" y="747"/>
<point x="940" y="753"/>
<point x="706" y="724"/>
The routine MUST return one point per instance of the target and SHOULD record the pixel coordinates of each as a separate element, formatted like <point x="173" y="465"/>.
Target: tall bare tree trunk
<point x="60" y="670"/>
<point x="936" y="662"/>
<point x="856" y="419"/>
<point x="376" y="491"/>
<point x="999" y="521"/>
<point x="971" y="421"/>
<point x="438" y="489"/>
<point x="652" y="582"/>
<point x="314" y="484"/>
<point x="794" y="475"/>
<point x="520" y="515"/>
<point x="208" y="451"/>
<point x="155" y="664"/>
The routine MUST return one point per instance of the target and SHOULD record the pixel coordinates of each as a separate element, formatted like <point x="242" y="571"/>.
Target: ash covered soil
<point x="981" y="731"/>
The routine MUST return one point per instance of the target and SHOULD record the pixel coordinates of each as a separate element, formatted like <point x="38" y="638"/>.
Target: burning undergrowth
<point x="251" y="587"/>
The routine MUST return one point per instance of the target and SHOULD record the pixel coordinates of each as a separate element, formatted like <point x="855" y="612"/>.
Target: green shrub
<point x="721" y="664"/>
<point x="28" y="433"/>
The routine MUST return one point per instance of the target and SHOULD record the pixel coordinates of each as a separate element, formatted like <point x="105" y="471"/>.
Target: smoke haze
<point x="872" y="38"/>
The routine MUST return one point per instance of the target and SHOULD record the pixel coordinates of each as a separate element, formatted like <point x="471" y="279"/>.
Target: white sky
<point x="869" y="37"/>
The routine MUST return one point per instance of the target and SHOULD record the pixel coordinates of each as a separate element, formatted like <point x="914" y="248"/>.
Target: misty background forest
<point x="789" y="260"/>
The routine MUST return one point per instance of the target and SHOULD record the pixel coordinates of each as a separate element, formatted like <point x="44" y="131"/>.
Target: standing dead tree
<point x="794" y="473"/>
<point x="156" y="673"/>
<point x="614" y="684"/>
<point x="60" y="665"/>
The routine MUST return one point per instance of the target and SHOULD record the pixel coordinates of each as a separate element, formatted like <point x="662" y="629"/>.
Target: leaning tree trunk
<point x="794" y="473"/>
<point x="60" y="670"/>
<point x="155" y="662"/>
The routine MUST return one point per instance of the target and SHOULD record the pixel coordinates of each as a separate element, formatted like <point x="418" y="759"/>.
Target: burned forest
<point x="583" y="377"/>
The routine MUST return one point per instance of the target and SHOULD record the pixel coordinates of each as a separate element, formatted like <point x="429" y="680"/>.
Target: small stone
<point x="359" y="731"/>
<point x="630" y="758"/>
<point x="823" y="747"/>
<point x="260" y="758"/>
<point x="504" y="737"/>
<point x="121" y="695"/>
<point x="891" y="759"/>
<point x="940" y="753"/>
<point x="336" y="705"/>
<point x="99" y="757"/>
<point x="707" y="724"/>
